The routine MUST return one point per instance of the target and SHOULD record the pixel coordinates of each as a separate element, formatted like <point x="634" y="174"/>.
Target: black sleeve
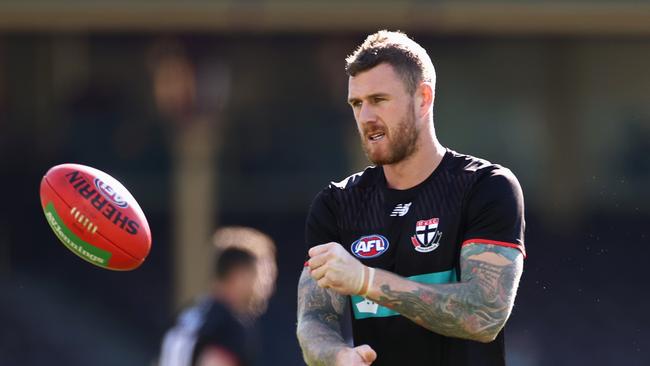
<point x="495" y="211"/>
<point x="321" y="227"/>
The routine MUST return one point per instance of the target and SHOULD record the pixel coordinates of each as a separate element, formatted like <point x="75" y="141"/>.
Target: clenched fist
<point x="331" y="266"/>
<point x="358" y="356"/>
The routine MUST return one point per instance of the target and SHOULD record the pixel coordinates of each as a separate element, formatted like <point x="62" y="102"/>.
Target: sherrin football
<point x="95" y="217"/>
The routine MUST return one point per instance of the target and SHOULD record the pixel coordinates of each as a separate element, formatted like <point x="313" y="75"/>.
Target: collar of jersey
<point x="410" y="191"/>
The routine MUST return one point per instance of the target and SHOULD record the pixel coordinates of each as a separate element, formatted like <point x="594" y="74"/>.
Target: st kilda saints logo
<point x="427" y="236"/>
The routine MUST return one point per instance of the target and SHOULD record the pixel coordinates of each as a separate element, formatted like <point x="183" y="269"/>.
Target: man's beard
<point x="402" y="142"/>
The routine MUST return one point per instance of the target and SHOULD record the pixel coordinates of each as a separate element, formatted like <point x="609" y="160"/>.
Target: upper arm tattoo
<point x="319" y="321"/>
<point x="476" y="308"/>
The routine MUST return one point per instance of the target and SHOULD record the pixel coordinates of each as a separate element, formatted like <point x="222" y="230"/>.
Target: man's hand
<point x="331" y="266"/>
<point x="358" y="356"/>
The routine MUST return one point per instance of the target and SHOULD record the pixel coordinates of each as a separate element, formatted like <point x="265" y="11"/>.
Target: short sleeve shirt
<point x="418" y="234"/>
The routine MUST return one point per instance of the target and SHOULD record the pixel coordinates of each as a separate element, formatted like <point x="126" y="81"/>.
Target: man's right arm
<point x="319" y="322"/>
<point x="319" y="309"/>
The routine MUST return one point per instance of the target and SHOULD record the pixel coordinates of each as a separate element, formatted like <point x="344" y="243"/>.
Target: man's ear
<point x="424" y="96"/>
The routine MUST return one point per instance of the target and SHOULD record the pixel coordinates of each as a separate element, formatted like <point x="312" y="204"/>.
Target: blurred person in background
<point x="426" y="247"/>
<point x="218" y="330"/>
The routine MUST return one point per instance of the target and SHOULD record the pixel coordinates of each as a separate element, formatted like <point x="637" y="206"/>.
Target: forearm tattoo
<point x="476" y="308"/>
<point x="319" y="329"/>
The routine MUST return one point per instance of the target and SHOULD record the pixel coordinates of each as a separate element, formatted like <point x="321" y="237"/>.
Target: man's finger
<point x="318" y="260"/>
<point x="366" y="352"/>
<point x="319" y="249"/>
<point x="323" y="282"/>
<point x="318" y="273"/>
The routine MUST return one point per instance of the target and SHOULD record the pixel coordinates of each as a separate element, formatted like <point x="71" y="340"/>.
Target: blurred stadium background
<point x="233" y="112"/>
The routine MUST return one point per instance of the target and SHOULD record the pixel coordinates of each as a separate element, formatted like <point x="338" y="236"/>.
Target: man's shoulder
<point x="484" y="178"/>
<point x="363" y="178"/>
<point x="476" y="167"/>
<point x="348" y="189"/>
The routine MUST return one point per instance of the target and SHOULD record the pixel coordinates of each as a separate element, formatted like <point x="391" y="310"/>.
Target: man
<point x="217" y="330"/>
<point x="426" y="247"/>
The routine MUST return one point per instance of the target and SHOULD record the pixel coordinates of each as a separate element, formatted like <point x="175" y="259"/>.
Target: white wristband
<point x="363" y="279"/>
<point x="371" y="278"/>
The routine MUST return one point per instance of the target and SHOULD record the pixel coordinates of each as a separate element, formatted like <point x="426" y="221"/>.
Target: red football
<point x="95" y="217"/>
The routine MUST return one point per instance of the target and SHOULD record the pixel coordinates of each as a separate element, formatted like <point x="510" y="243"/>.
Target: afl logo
<point x="370" y="246"/>
<point x="108" y="192"/>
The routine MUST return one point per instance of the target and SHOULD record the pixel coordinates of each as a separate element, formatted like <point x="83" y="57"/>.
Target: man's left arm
<point x="475" y="309"/>
<point x="491" y="263"/>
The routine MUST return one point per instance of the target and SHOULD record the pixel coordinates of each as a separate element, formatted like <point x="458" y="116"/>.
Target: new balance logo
<point x="401" y="209"/>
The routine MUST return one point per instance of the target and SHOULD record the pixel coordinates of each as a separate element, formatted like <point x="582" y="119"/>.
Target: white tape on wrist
<point x="368" y="286"/>
<point x="364" y="269"/>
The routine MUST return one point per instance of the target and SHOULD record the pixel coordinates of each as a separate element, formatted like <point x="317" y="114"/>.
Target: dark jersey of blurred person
<point x="212" y="332"/>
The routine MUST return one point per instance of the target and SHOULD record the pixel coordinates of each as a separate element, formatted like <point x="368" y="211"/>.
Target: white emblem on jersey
<point x="427" y="236"/>
<point x="401" y="209"/>
<point x="367" y="306"/>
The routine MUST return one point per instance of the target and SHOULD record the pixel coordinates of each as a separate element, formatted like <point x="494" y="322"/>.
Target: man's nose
<point x="367" y="114"/>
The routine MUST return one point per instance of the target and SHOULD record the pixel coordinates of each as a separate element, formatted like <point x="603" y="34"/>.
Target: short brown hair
<point x="408" y="58"/>
<point x="230" y="259"/>
<point x="263" y="249"/>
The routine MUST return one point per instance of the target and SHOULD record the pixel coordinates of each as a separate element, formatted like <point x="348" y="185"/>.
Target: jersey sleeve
<point x="495" y="211"/>
<point x="321" y="227"/>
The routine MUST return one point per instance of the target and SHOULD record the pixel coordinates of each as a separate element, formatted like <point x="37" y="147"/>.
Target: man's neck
<point x="417" y="167"/>
<point x="220" y="292"/>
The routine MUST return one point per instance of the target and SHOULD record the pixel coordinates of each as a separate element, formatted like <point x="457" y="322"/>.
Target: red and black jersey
<point x="418" y="234"/>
